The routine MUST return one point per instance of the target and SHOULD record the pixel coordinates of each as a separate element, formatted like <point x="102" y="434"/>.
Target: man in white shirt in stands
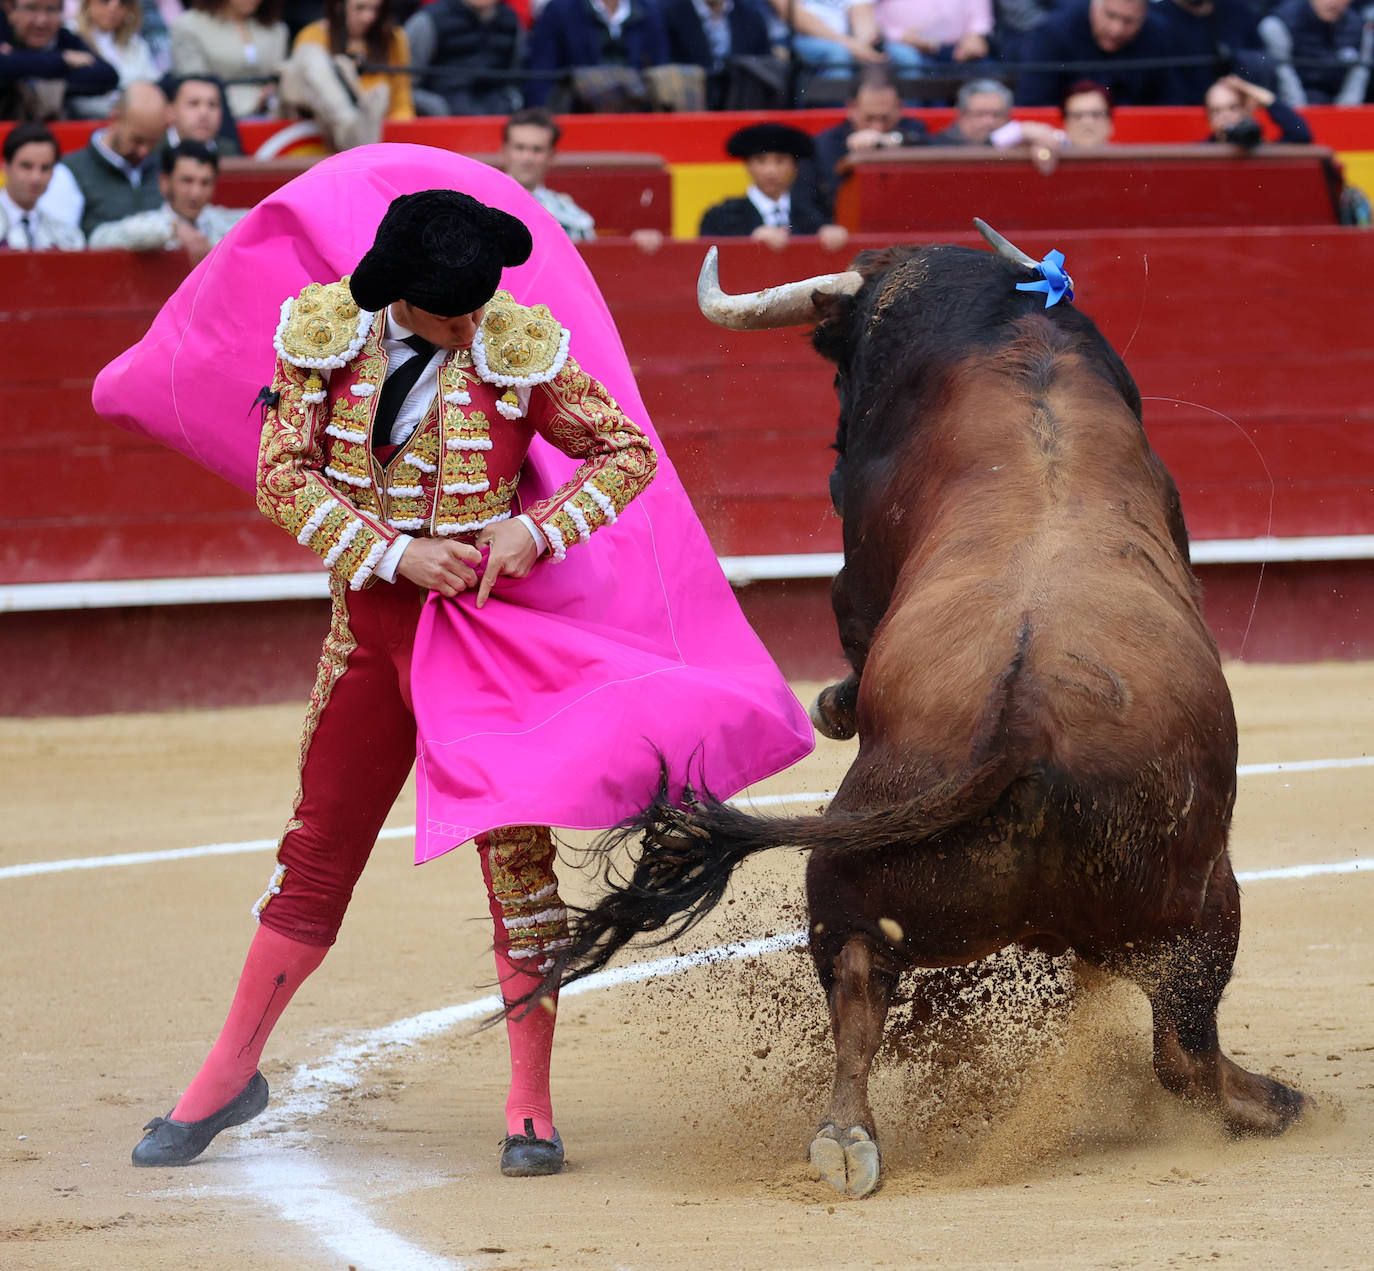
<point x="30" y="154"/>
<point x="527" y="148"/>
<point x="186" y="219"/>
<point x="528" y="141"/>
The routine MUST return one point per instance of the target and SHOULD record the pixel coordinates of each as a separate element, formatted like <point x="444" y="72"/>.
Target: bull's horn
<point x="1001" y="245"/>
<point x="790" y="305"/>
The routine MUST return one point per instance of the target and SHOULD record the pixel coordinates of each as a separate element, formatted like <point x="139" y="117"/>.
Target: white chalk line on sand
<point x="300" y="1190"/>
<point x="408" y="831"/>
<point x="303" y="1192"/>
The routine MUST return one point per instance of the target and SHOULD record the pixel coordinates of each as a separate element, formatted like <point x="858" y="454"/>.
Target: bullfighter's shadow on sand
<point x="1047" y="746"/>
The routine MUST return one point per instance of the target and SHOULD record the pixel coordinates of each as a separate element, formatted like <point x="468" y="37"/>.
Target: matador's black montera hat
<point x="441" y="251"/>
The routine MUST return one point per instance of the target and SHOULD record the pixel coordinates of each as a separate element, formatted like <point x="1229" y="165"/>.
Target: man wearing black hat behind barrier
<point x="403" y="404"/>
<point x="772" y="210"/>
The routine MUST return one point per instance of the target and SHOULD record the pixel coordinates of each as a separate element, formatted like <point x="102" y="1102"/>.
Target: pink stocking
<point x="274" y="969"/>
<point x="530" y="1038"/>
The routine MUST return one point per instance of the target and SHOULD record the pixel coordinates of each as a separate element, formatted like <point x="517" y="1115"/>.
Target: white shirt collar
<point x="395" y="332"/>
<point x="614" y="20"/>
<point x="135" y="174"/>
<point x="774" y="211"/>
<point x="14" y="212"/>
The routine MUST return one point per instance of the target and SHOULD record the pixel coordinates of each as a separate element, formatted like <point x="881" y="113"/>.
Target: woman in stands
<point x="363" y="31"/>
<point x="111" y="28"/>
<point x="241" y="42"/>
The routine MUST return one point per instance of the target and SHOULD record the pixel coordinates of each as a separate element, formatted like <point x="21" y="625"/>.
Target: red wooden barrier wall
<point x="700" y="138"/>
<point x="1251" y="347"/>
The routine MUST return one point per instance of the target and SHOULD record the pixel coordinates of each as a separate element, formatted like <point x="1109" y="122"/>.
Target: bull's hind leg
<point x="1184" y="978"/>
<point x="845" y="1149"/>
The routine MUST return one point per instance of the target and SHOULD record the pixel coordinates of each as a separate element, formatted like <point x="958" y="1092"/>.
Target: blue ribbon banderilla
<point x="1053" y="281"/>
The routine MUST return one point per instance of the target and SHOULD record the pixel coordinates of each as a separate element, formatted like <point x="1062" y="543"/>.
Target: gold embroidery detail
<point x="519" y="341"/>
<point x="521" y="860"/>
<point x="323" y="321"/>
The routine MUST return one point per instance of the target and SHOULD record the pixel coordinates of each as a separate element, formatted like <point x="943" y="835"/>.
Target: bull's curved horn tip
<point x="1001" y="245"/>
<point x="710" y="267"/>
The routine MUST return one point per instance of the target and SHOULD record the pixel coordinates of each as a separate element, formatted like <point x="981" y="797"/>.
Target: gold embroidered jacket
<point x="319" y="478"/>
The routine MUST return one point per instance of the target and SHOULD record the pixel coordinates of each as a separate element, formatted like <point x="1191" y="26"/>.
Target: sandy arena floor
<point x="687" y="1101"/>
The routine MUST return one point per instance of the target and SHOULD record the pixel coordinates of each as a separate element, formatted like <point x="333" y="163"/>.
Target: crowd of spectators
<point x="170" y="85"/>
<point x="355" y="63"/>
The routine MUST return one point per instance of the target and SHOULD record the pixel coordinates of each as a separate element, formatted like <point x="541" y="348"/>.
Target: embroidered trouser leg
<point x="356" y="752"/>
<point x="517" y="862"/>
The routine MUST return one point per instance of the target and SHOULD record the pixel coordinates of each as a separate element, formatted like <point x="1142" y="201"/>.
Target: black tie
<point x="397" y="388"/>
<point x="28" y="231"/>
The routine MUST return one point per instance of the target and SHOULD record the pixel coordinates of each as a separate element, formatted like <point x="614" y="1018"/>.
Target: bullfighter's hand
<point x="440" y="565"/>
<point x="775" y="236"/>
<point x="511" y="551"/>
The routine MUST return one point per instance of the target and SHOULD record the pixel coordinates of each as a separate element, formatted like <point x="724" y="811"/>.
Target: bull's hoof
<point x="1277" y="1109"/>
<point x="832" y="716"/>
<point x="848" y="1160"/>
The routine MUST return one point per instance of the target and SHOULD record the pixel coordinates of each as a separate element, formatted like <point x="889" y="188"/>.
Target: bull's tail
<point x="687" y="854"/>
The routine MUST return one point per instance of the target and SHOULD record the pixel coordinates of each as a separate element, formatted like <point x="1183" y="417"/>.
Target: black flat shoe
<point x="524" y="1156"/>
<point x="169" y="1142"/>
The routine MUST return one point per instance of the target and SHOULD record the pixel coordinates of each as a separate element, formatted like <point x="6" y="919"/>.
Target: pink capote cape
<point x="552" y="703"/>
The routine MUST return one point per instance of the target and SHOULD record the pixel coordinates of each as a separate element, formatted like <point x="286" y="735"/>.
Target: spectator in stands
<point x="949" y="31"/>
<point x="44" y="67"/>
<point x="195" y="112"/>
<point x="771" y="210"/>
<point x="1014" y="20"/>
<point x="116" y="171"/>
<point x="728" y="39"/>
<point x="1087" y="122"/>
<point x="1321" y="49"/>
<point x="299" y="14"/>
<point x="158" y="16"/>
<point x="529" y="141"/>
<point x="872" y="122"/>
<point x="1233" y="106"/>
<point x="323" y="78"/>
<point x="187" y="219"/>
<point x="1087" y="115"/>
<point x="459" y="40"/>
<point x="984" y="106"/>
<point x="596" y="41"/>
<point x="30" y="154"/>
<point x="362" y="31"/>
<point x="111" y="28"/>
<point x="1226" y="31"/>
<point x="834" y="36"/>
<point x="1100" y="31"/>
<point x="236" y="41"/>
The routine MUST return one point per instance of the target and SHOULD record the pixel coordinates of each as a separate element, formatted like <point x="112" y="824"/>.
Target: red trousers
<point x="356" y="753"/>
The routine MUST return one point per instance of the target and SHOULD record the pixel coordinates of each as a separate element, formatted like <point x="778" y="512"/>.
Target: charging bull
<point x="1047" y="748"/>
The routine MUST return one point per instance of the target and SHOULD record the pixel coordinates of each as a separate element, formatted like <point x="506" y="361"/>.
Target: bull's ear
<point x="1001" y="245"/>
<point x="835" y="314"/>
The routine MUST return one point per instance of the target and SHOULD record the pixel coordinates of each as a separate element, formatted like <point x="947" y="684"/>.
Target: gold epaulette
<point x="519" y="345"/>
<point x="322" y="328"/>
